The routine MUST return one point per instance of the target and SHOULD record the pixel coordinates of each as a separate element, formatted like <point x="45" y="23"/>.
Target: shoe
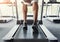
<point x="35" y="28"/>
<point x="25" y="26"/>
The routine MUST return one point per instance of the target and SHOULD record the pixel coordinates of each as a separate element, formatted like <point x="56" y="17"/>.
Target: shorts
<point x="32" y="1"/>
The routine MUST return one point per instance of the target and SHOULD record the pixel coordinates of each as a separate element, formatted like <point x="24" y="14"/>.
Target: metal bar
<point x="58" y="11"/>
<point x="42" y="9"/>
<point x="46" y="9"/>
<point x="16" y="9"/>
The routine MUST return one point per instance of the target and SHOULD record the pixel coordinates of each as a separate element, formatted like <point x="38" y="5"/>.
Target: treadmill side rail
<point x="10" y="33"/>
<point x="49" y="35"/>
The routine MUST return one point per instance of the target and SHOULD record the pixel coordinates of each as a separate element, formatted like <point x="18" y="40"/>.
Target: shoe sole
<point x="25" y="28"/>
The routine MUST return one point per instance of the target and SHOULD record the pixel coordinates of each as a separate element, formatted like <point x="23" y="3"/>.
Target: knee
<point x="24" y="7"/>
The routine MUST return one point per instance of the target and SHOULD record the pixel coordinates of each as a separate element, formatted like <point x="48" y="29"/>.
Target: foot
<point x="25" y="26"/>
<point x="35" y="28"/>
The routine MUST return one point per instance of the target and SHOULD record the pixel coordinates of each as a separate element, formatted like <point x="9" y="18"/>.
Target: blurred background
<point x="8" y="9"/>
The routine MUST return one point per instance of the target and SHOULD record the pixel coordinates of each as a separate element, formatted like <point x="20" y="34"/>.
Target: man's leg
<point x="24" y="9"/>
<point x="35" y="11"/>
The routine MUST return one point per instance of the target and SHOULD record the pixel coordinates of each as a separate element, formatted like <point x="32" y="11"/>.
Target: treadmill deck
<point x="29" y="36"/>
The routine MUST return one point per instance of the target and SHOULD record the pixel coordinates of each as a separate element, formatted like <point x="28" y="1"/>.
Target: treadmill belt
<point x="23" y="35"/>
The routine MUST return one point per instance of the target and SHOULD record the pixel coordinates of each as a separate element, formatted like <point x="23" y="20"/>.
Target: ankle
<point x="24" y="22"/>
<point x="34" y="23"/>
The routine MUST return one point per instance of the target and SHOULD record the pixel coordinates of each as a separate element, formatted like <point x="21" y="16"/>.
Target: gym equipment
<point x="6" y="19"/>
<point x="55" y="19"/>
<point x="17" y="34"/>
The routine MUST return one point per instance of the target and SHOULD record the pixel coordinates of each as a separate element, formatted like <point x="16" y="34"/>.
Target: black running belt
<point x="28" y="36"/>
<point x="29" y="15"/>
<point x="55" y="20"/>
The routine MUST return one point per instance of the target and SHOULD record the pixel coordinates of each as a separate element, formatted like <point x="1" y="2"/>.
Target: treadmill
<point x="17" y="34"/>
<point x="55" y="19"/>
<point x="6" y="19"/>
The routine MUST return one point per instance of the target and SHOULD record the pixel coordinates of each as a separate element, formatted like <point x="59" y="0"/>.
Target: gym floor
<point x="52" y="27"/>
